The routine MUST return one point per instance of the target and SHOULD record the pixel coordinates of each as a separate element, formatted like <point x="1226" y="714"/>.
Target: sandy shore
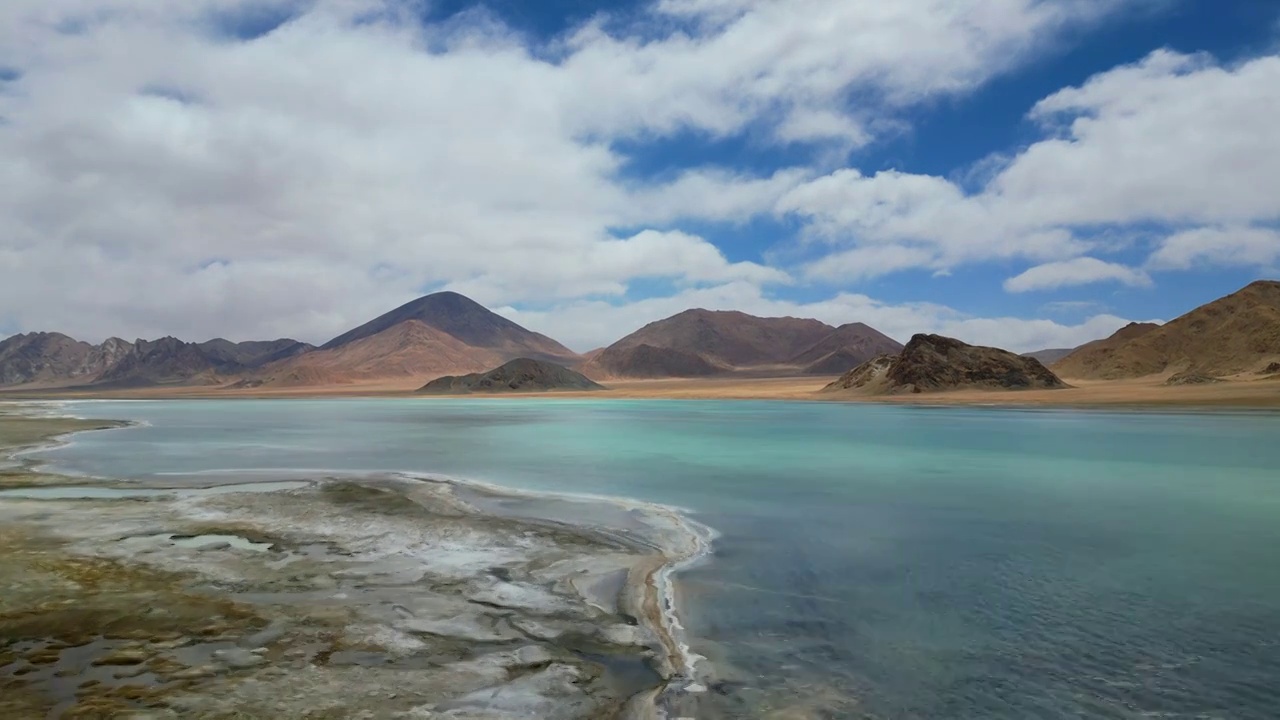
<point x="384" y="596"/>
<point x="1144" y="392"/>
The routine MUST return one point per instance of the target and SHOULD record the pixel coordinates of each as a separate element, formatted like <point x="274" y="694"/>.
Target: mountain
<point x="845" y="347"/>
<point x="1049" y="356"/>
<point x="933" y="363"/>
<point x="703" y="342"/>
<point x="647" y="361"/>
<point x="519" y="375"/>
<point x="1239" y="333"/>
<point x="440" y="334"/>
<point x="167" y="361"/>
<point x="1085" y="360"/>
<point x="43" y="358"/>
<point x="408" y="349"/>
<point x="469" y="322"/>
<point x="254" y="353"/>
<point x="55" y="360"/>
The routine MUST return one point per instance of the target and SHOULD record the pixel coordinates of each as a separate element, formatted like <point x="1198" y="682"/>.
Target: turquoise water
<point x="885" y="562"/>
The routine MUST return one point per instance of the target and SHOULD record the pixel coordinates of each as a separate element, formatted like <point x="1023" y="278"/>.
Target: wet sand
<point x="380" y="596"/>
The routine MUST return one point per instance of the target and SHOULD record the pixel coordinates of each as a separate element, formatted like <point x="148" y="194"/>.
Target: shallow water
<point x="874" y="561"/>
<point x="89" y="492"/>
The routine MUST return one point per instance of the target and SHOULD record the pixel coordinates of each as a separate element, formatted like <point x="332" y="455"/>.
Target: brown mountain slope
<point x="520" y="375"/>
<point x="1049" y="356"/>
<point x="647" y="361"/>
<point x="844" y="348"/>
<point x="468" y="322"/>
<point x="408" y="349"/>
<point x="254" y="353"/>
<point x="1086" y="359"/>
<point x="932" y="363"/>
<point x="723" y="340"/>
<point x="1239" y="333"/>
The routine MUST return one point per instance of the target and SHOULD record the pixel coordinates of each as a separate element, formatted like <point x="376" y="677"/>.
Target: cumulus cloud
<point x="1174" y="140"/>
<point x="1080" y="271"/>
<point x="1220" y="246"/>
<point x="261" y="167"/>
<point x="592" y="323"/>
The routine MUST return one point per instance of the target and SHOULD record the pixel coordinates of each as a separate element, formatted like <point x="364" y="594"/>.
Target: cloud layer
<point x="194" y="169"/>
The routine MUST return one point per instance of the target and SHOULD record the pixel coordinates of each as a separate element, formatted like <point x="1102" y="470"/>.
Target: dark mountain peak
<point x="466" y="320"/>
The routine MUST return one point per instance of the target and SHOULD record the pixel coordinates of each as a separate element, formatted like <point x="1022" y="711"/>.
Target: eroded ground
<point x="371" y="598"/>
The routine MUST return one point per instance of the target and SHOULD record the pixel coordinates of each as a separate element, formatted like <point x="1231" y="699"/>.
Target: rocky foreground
<point x="374" y="597"/>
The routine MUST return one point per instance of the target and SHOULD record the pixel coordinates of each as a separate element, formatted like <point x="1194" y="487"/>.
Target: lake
<point x="873" y="561"/>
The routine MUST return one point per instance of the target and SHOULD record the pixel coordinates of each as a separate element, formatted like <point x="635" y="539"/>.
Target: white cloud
<point x="588" y="324"/>
<point x="867" y="262"/>
<point x="1080" y="271"/>
<point x="1172" y="140"/>
<point x="173" y="179"/>
<point x="1222" y="246"/>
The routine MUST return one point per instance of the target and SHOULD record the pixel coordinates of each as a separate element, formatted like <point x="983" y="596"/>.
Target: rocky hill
<point x="933" y="363"/>
<point x="167" y="361"/>
<point x="697" y="343"/>
<point x="845" y="348"/>
<point x="43" y="358"/>
<point x="648" y="361"/>
<point x="1049" y="356"/>
<point x="254" y="353"/>
<point x="1236" y="334"/>
<point x="1087" y="359"/>
<point x="520" y="375"/>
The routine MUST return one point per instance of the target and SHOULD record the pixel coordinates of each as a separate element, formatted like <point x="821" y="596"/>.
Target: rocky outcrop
<point x="933" y="363"/>
<point x="520" y="375"/>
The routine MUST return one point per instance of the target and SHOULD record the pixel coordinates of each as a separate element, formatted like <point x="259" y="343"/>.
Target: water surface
<point x="875" y="561"/>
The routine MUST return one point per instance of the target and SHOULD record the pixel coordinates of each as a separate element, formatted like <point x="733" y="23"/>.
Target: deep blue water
<point x="875" y="561"/>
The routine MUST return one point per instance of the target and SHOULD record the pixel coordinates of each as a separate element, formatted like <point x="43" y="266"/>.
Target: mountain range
<point x="447" y="334"/>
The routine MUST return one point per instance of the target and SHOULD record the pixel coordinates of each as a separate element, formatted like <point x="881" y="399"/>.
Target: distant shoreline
<point x="1141" y="393"/>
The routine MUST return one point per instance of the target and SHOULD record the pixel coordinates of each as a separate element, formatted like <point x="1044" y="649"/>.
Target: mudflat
<point x="356" y="597"/>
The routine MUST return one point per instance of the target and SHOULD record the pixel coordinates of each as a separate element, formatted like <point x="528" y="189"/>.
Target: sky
<point x="1019" y="173"/>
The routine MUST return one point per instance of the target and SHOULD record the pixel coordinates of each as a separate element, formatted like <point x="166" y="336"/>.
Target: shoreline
<point x="649" y="592"/>
<point x="1141" y="393"/>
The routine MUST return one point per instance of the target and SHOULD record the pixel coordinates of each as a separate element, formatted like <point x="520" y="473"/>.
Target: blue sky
<point x="1024" y="173"/>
